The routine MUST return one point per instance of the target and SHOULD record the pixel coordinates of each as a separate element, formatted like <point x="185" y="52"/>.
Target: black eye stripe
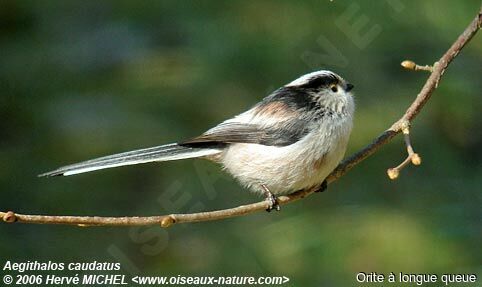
<point x="320" y="81"/>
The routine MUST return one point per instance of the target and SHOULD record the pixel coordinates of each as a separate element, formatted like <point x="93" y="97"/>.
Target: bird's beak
<point x="349" y="87"/>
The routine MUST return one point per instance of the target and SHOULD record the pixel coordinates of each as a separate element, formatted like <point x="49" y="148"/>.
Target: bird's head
<point x="326" y="88"/>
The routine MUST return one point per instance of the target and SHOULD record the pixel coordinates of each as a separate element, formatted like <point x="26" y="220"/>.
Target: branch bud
<point x="393" y="173"/>
<point x="167" y="221"/>
<point x="9" y="217"/>
<point x="410" y="65"/>
<point x="416" y="159"/>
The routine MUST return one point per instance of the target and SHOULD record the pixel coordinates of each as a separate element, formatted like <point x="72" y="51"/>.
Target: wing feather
<point x="272" y="124"/>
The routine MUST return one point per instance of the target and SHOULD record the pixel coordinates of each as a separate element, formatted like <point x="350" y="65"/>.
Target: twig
<point x="399" y="126"/>
<point x="412" y="157"/>
<point x="410" y="65"/>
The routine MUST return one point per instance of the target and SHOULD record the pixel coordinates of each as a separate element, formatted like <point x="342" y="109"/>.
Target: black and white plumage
<point x="289" y="141"/>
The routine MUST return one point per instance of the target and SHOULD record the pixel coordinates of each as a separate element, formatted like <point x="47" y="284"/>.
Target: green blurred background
<point x="81" y="79"/>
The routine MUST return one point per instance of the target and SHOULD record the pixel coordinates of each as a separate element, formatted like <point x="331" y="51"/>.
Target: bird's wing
<point x="272" y="124"/>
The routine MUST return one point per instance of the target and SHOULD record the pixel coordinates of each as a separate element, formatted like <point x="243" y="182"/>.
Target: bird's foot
<point x="272" y="200"/>
<point x="323" y="186"/>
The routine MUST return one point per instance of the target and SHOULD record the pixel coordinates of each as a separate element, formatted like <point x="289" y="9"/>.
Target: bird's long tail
<point x="159" y="153"/>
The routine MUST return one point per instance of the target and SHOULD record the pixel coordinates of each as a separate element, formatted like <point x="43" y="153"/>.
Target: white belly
<point x="290" y="168"/>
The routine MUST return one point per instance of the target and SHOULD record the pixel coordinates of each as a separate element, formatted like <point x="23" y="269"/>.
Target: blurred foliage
<point x="83" y="79"/>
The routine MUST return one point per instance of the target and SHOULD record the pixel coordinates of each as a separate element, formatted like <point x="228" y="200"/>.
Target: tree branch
<point x="402" y="125"/>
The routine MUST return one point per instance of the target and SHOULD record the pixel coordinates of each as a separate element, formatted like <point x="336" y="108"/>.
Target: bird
<point x="289" y="141"/>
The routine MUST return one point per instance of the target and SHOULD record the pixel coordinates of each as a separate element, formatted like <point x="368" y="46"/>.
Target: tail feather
<point x="159" y="153"/>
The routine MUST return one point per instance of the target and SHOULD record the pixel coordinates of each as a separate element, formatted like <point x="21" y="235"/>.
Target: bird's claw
<point x="323" y="186"/>
<point x="273" y="203"/>
<point x="271" y="199"/>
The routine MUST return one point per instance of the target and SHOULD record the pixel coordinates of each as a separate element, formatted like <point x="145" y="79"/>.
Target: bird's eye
<point x="334" y="88"/>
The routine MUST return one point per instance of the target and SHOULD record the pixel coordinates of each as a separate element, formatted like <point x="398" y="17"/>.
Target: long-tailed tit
<point x="289" y="141"/>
